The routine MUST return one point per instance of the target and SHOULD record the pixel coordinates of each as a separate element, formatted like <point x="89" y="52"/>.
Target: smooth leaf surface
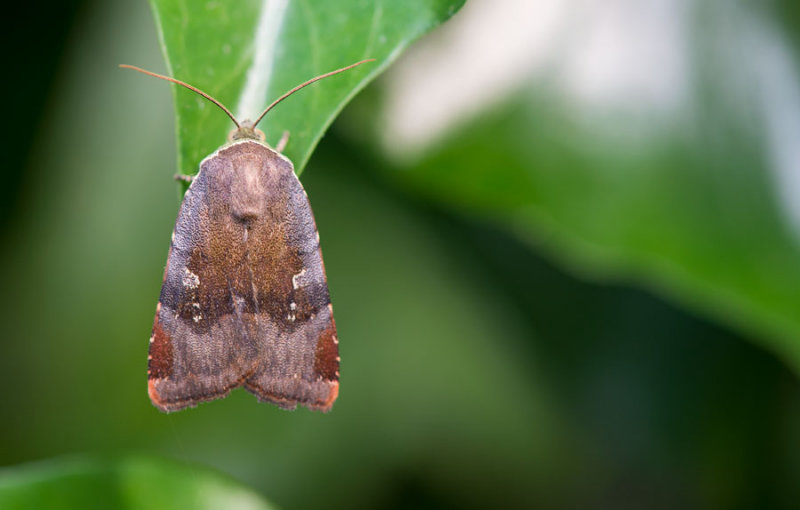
<point x="249" y="52"/>
<point x="124" y="483"/>
<point x="685" y="187"/>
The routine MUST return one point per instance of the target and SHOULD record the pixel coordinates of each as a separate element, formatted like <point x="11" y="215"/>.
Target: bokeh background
<point x="561" y="240"/>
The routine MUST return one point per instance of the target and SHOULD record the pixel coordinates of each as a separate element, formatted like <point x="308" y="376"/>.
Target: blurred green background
<point x="576" y="285"/>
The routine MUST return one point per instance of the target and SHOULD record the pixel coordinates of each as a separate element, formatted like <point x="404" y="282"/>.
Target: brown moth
<point x="244" y="300"/>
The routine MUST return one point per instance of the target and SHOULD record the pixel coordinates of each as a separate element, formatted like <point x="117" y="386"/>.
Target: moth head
<point x="246" y="130"/>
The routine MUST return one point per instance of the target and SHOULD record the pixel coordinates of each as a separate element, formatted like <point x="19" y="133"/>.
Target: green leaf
<point x="691" y="200"/>
<point x="123" y="483"/>
<point x="249" y="52"/>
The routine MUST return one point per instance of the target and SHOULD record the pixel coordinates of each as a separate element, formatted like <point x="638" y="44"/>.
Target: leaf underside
<point x="249" y="52"/>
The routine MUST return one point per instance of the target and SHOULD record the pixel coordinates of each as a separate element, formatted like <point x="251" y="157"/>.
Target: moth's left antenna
<point x="184" y="84"/>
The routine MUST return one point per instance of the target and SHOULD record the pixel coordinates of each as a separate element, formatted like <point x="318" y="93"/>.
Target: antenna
<point x="184" y="84"/>
<point x="309" y="82"/>
<point x="228" y="112"/>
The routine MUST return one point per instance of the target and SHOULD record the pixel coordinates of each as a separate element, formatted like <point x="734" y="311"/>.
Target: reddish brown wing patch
<point x="326" y="361"/>
<point x="244" y="300"/>
<point x="160" y="359"/>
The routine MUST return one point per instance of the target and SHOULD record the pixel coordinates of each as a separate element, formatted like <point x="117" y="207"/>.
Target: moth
<point x="244" y="300"/>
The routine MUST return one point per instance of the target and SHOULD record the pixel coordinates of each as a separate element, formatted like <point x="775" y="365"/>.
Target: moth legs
<point x="184" y="178"/>
<point x="282" y="142"/>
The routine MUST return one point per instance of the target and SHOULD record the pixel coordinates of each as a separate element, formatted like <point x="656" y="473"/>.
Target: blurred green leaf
<point x="247" y="53"/>
<point x="691" y="200"/>
<point x="123" y="483"/>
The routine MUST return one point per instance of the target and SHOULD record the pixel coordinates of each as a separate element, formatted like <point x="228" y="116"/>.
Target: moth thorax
<point x="246" y="131"/>
<point x="248" y="189"/>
